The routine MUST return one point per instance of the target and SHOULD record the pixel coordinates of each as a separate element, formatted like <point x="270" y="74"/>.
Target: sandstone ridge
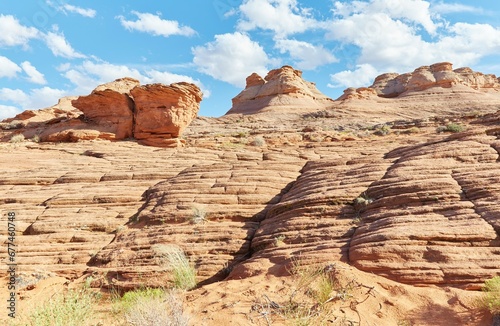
<point x="155" y="115"/>
<point x="439" y="75"/>
<point x="283" y="89"/>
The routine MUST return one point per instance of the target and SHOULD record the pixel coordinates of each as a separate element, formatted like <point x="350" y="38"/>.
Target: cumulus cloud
<point x="34" y="75"/>
<point x="8" y="111"/>
<point x="283" y="17"/>
<point x="89" y="74"/>
<point x="12" y="33"/>
<point x="231" y="58"/>
<point x="154" y="25"/>
<point x="37" y="98"/>
<point x="60" y="47"/>
<point x="8" y="68"/>
<point x="363" y="75"/>
<point x="415" y="12"/>
<point x="308" y="56"/>
<point x="389" y="39"/>
<point x="165" y="77"/>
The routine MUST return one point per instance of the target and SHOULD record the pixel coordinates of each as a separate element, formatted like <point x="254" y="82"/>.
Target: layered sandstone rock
<point x="110" y="107"/>
<point x="163" y="112"/>
<point x="155" y="114"/>
<point x="283" y="89"/>
<point x="437" y="75"/>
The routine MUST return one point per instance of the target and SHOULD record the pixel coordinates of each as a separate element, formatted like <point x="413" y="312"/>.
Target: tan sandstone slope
<point x="283" y="89"/>
<point x="396" y="199"/>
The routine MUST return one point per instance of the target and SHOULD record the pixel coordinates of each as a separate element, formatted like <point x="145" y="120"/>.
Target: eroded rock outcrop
<point x="437" y="75"/>
<point x="163" y="112"/>
<point x="154" y="114"/>
<point x="282" y="88"/>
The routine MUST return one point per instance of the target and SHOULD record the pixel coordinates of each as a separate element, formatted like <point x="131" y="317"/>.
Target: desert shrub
<point x="491" y="297"/>
<point x="35" y="139"/>
<point x="451" y="127"/>
<point x="362" y="201"/>
<point x="149" y="307"/>
<point x="19" y="138"/>
<point x="199" y="214"/>
<point x="73" y="308"/>
<point x="183" y="271"/>
<point x="279" y="241"/>
<point x="382" y="131"/>
<point x="259" y="141"/>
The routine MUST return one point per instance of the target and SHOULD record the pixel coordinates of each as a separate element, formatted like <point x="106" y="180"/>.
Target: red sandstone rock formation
<point x="163" y="112"/>
<point x="155" y="114"/>
<point x="282" y="89"/>
<point x="437" y="75"/>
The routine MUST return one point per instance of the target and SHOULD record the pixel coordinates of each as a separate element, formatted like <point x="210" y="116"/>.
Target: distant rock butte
<point x="154" y="114"/>
<point x="282" y="88"/>
<point x="439" y="75"/>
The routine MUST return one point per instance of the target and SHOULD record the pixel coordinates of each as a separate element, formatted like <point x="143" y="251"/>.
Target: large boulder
<point x="163" y="112"/>
<point x="154" y="114"/>
<point x="282" y="88"/>
<point x="110" y="107"/>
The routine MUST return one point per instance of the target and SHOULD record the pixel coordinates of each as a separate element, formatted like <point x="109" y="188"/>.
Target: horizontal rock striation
<point x="156" y="115"/>
<point x="283" y="89"/>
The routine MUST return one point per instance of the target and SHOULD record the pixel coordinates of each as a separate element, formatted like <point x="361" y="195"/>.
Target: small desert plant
<point x="19" y="138"/>
<point x="259" y="141"/>
<point x="491" y="297"/>
<point x="199" y="214"/>
<point x="149" y="307"/>
<point x="279" y="241"/>
<point x="384" y="130"/>
<point x="173" y="258"/>
<point x="362" y="201"/>
<point x="35" y="139"/>
<point x="451" y="127"/>
<point x="75" y="307"/>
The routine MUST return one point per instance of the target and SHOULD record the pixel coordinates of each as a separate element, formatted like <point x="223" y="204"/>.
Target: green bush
<point x="174" y="259"/>
<point x="150" y="307"/>
<point x="19" y="138"/>
<point x="491" y="297"/>
<point x="451" y="127"/>
<point x="74" y="308"/>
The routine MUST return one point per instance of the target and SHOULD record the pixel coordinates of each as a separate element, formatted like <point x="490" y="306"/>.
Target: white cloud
<point x="12" y="33"/>
<point x="60" y="47"/>
<point x="413" y="11"/>
<point x="154" y="25"/>
<point x="38" y="98"/>
<point x="283" y="17"/>
<point x="447" y="8"/>
<point x="389" y="44"/>
<point x="231" y="58"/>
<point x="89" y="75"/>
<point x="362" y="76"/>
<point x="90" y="13"/>
<point x="308" y="55"/>
<point x="167" y="78"/>
<point x="34" y="75"/>
<point x="8" y="68"/>
<point x="8" y="111"/>
<point x="16" y="96"/>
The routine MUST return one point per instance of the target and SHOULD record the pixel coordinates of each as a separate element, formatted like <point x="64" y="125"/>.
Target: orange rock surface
<point x="397" y="199"/>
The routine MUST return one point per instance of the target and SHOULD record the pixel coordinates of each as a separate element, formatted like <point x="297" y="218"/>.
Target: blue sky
<point x="55" y="48"/>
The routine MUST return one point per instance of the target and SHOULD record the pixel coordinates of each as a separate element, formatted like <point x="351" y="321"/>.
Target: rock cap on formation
<point x="282" y="88"/>
<point x="439" y="75"/>
<point x="155" y="115"/>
